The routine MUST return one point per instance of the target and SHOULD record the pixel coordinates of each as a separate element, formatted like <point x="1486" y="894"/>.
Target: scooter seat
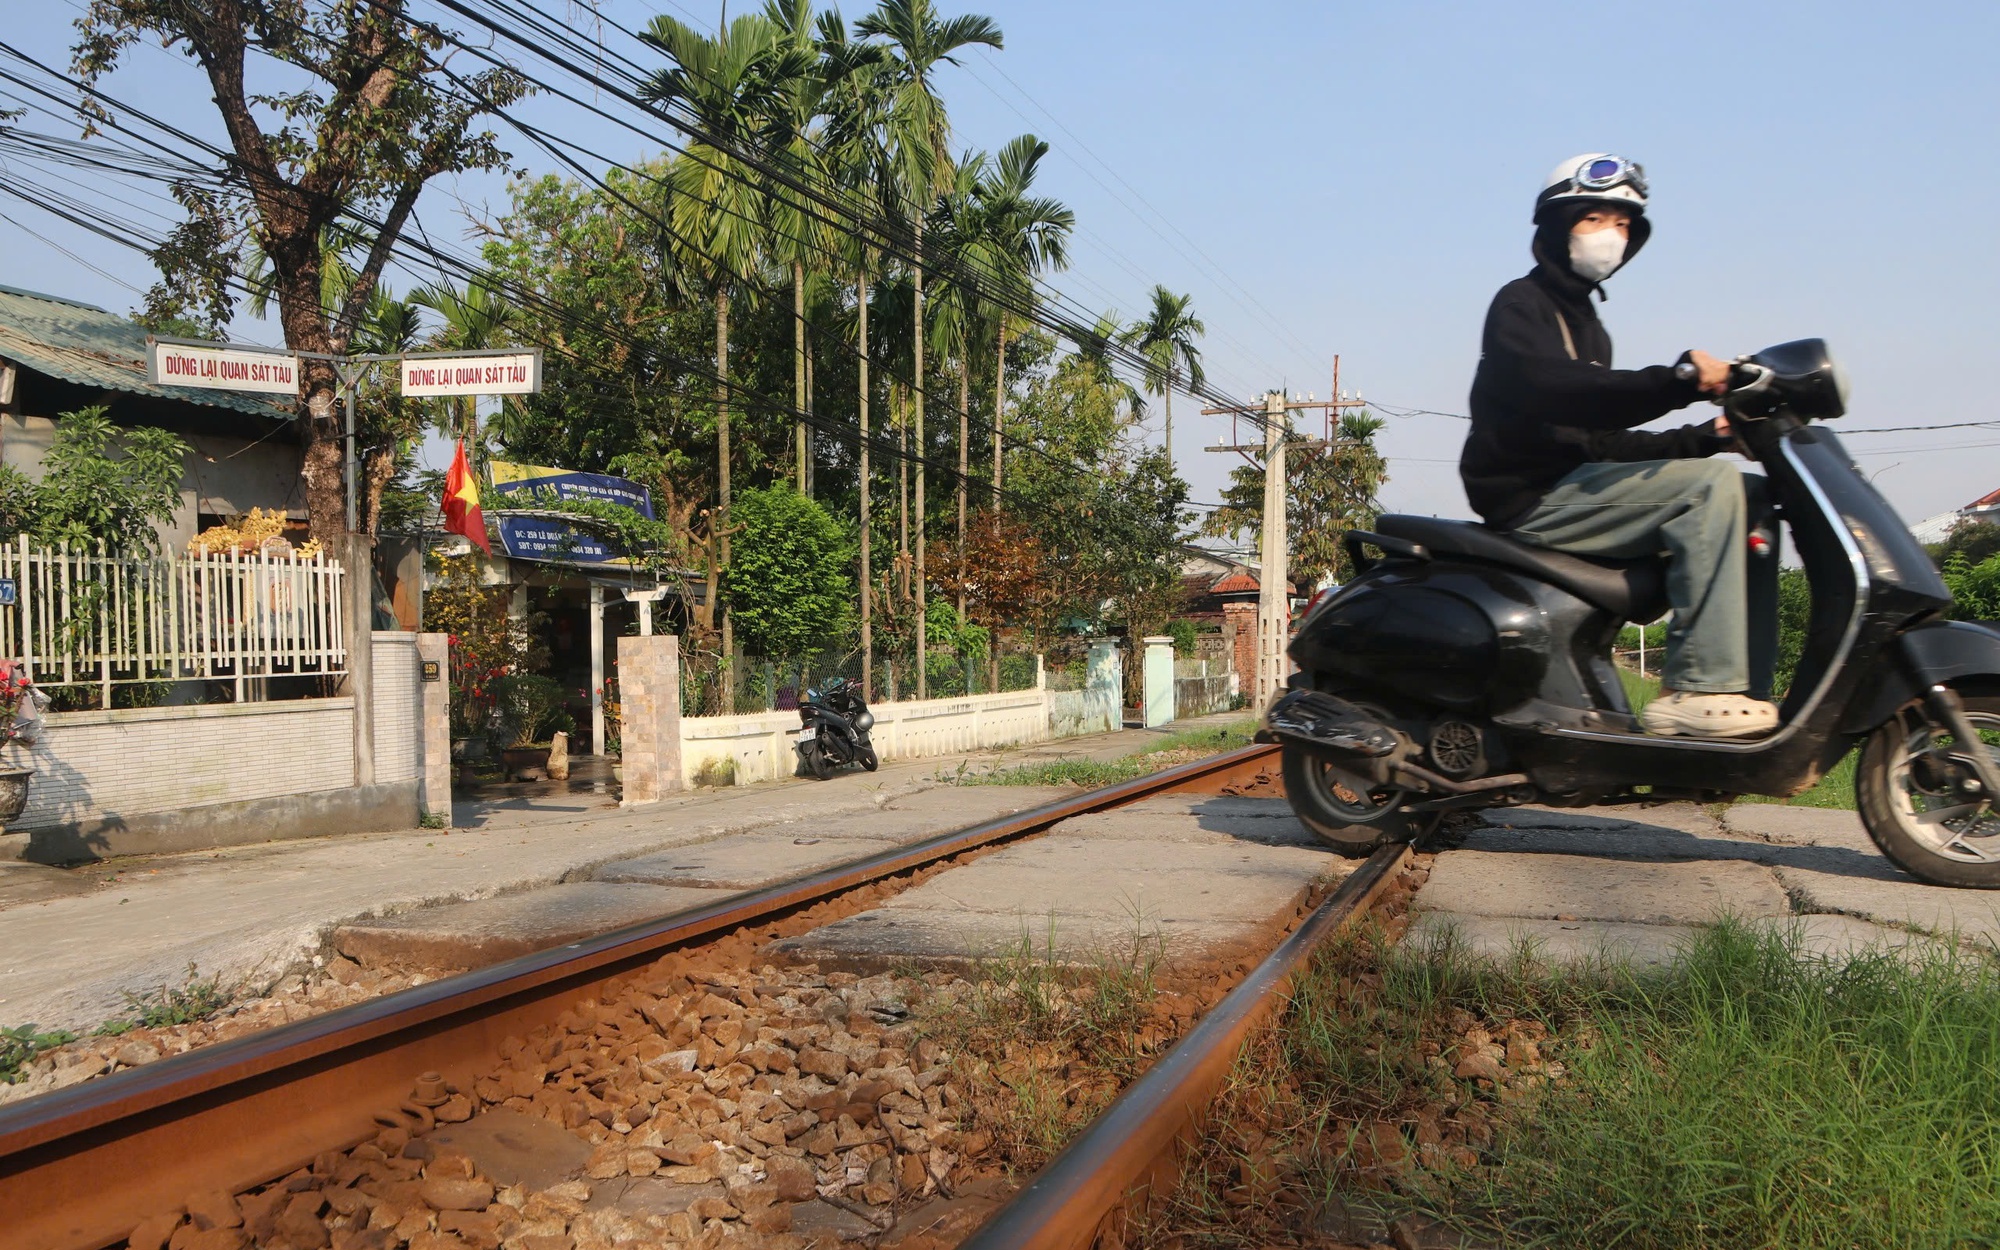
<point x="1633" y="590"/>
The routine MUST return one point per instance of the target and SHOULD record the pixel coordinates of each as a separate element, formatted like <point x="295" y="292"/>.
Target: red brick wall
<point x="1239" y="622"/>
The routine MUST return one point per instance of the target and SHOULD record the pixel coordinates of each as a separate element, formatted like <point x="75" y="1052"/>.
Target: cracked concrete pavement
<point x="1639" y="882"/>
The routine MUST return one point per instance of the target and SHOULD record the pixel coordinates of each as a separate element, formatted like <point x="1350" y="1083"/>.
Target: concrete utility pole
<point x="1274" y="608"/>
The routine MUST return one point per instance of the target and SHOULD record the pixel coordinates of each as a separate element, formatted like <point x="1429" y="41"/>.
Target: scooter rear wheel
<point x="817" y="763"/>
<point x="1339" y="810"/>
<point x="1911" y="799"/>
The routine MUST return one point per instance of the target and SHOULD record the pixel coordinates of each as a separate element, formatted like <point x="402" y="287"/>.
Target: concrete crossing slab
<point x="1586" y="942"/>
<point x="1551" y="886"/>
<point x="743" y="862"/>
<point x="1166" y="876"/>
<point x="488" y="930"/>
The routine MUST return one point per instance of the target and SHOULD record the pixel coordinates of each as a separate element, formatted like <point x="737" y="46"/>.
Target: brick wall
<point x="1239" y="624"/>
<point x="94" y="766"/>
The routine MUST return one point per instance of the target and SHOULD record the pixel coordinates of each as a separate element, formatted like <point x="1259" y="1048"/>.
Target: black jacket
<point x="1537" y="413"/>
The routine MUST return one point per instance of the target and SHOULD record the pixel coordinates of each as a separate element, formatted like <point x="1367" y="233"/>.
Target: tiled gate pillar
<point x="434" y="726"/>
<point x="1159" y="683"/>
<point x="649" y="716"/>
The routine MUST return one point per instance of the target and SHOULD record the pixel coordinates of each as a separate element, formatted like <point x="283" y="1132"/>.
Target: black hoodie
<point x="1538" y="412"/>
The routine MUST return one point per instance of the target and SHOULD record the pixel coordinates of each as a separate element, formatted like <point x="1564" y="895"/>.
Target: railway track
<point x="81" y="1168"/>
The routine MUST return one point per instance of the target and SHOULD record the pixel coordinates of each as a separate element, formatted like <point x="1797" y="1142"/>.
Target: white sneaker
<point x="1708" y="715"/>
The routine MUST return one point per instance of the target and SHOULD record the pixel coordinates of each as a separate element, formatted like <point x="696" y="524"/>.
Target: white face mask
<point x="1593" y="256"/>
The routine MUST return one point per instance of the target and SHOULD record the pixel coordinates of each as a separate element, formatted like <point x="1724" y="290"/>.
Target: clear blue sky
<point x="1357" y="179"/>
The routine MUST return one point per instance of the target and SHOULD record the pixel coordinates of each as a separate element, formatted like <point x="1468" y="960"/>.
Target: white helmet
<point x="1595" y="177"/>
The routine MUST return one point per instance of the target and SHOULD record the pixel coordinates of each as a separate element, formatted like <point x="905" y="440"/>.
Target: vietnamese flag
<point x="461" y="502"/>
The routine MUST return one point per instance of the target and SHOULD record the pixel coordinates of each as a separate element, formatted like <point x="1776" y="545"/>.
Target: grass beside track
<point x="1175" y="748"/>
<point x="1751" y="1095"/>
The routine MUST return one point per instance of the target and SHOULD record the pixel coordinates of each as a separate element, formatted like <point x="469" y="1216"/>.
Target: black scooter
<point x="1462" y="668"/>
<point x="835" y="721"/>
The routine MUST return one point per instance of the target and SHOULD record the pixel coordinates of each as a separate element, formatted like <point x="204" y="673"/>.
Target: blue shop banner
<point x="547" y="538"/>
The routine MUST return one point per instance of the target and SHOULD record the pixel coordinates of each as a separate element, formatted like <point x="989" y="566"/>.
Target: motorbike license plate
<point x="808" y="733"/>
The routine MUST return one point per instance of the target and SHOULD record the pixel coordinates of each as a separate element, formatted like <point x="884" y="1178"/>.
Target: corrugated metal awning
<point x="86" y="345"/>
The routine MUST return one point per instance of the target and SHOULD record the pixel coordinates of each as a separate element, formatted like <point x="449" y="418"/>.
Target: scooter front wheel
<point x="1339" y="809"/>
<point x="869" y="760"/>
<point x="1910" y="786"/>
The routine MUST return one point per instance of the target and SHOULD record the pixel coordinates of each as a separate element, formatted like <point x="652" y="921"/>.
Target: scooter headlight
<point x="1881" y="565"/>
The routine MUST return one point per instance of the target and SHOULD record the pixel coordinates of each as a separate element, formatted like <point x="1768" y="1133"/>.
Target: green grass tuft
<point x="193" y="1000"/>
<point x="1759" y="1096"/>
<point x="19" y="1045"/>
<point x="1750" y="1094"/>
<point x="1096" y="774"/>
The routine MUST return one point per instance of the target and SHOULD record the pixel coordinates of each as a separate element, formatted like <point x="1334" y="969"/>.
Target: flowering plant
<point x="487" y="641"/>
<point x="20" y="704"/>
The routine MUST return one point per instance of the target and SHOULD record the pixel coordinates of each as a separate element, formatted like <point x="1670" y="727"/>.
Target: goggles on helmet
<point x="1605" y="172"/>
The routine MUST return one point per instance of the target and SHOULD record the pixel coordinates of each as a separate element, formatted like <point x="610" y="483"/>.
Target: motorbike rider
<point x="1553" y="458"/>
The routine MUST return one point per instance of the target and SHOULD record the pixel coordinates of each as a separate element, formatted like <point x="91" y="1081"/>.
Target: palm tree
<point x="799" y="238"/>
<point x="1166" y="338"/>
<point x="475" y="316"/>
<point x="919" y="41"/>
<point x="1022" y="235"/>
<point x="1093" y="346"/>
<point x="737" y="85"/>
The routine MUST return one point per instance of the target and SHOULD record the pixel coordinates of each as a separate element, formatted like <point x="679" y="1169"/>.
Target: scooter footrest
<point x="1321" y="720"/>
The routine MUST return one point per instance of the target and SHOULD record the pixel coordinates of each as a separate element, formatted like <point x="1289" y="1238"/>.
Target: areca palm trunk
<point x="799" y="369"/>
<point x="917" y="387"/>
<point x="999" y="406"/>
<point x="1167" y="399"/>
<point x="964" y="464"/>
<point x="999" y="414"/>
<point x="867" y="622"/>
<point x="900" y="399"/>
<point x="722" y="488"/>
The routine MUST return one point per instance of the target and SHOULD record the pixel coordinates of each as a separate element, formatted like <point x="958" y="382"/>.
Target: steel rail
<point x="80" y="1168"/>
<point x="1129" y="1147"/>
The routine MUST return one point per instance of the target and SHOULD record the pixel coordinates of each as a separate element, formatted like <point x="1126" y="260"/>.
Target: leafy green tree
<point x="1333" y="489"/>
<point x="1975" y="540"/>
<point x="1166" y="337"/>
<point x="789" y="573"/>
<point x="1975" y="588"/>
<point x="100" y="484"/>
<point x="355" y="116"/>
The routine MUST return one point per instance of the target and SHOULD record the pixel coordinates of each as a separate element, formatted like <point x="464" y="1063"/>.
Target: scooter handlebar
<point x="1744" y="378"/>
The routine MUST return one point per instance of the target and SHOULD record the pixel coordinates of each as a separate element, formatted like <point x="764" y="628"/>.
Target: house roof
<point x="84" y="344"/>
<point x="1983" y="503"/>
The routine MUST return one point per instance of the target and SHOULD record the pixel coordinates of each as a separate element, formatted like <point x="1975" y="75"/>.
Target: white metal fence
<point x="98" y="618"/>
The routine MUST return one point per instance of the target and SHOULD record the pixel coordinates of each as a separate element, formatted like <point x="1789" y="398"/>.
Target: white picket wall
<point x="93" y="617"/>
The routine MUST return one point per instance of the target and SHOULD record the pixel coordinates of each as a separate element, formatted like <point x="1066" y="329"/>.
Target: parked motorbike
<point x="1465" y="669"/>
<point x="835" y="721"/>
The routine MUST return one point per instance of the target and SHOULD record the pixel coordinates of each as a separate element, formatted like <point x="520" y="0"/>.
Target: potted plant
<point x="20" y="721"/>
<point x="529" y="707"/>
